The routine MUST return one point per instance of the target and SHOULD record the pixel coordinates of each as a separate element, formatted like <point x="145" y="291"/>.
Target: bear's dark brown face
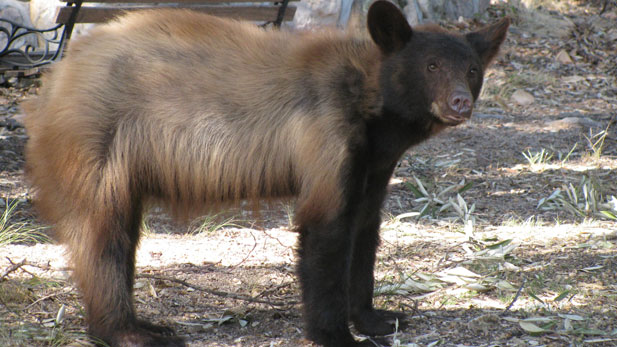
<point x="449" y="71"/>
<point x="429" y="73"/>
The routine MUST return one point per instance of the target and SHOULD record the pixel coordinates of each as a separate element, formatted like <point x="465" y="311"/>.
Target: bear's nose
<point x="460" y="102"/>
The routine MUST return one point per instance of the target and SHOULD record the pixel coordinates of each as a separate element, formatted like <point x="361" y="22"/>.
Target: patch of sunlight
<point x="604" y="163"/>
<point x="527" y="232"/>
<point x="228" y="247"/>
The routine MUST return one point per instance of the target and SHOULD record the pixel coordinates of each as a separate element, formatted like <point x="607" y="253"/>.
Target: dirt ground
<point x="505" y="272"/>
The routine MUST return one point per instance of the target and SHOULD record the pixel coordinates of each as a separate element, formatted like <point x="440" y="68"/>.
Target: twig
<point x="249" y="253"/>
<point x="414" y="308"/>
<point x="604" y="7"/>
<point x="46" y="267"/>
<point x="12" y="268"/>
<point x="24" y="262"/>
<point x="49" y="296"/>
<point x="218" y="292"/>
<point x="275" y="238"/>
<point x="518" y="293"/>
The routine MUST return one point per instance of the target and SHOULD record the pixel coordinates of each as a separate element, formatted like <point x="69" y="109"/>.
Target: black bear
<point x="192" y="111"/>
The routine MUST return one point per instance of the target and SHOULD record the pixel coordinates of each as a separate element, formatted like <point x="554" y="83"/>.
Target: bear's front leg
<point x="324" y="270"/>
<point x="366" y="319"/>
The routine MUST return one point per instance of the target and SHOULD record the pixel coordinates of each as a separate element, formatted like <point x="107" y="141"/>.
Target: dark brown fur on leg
<point x="326" y="251"/>
<point x="323" y="268"/>
<point x="325" y="299"/>
<point x="366" y="319"/>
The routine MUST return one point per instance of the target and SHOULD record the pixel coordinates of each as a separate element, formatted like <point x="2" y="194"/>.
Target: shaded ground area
<point x="488" y="268"/>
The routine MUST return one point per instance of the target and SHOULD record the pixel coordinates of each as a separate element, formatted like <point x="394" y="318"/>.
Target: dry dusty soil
<point x="491" y="268"/>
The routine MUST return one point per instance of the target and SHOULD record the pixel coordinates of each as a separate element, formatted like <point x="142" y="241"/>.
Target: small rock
<point x="461" y="23"/>
<point x="522" y="98"/>
<point x="573" y="79"/>
<point x="563" y="57"/>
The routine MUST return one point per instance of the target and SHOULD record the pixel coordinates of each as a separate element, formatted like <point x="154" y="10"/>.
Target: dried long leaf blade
<point x="562" y="295"/>
<point x="499" y="244"/>
<point x="465" y="188"/>
<point x="533" y="296"/>
<point x="416" y="192"/>
<point x="609" y="214"/>
<point x="420" y="186"/>
<point x="571" y="317"/>
<point x="530" y="327"/>
<point x="461" y="272"/>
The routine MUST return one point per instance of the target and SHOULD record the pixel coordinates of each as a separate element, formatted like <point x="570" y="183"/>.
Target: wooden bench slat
<point x="162" y="3"/>
<point x="100" y="14"/>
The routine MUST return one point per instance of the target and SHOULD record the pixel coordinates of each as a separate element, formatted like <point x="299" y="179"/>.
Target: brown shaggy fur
<point x="147" y="126"/>
<point x="136" y="119"/>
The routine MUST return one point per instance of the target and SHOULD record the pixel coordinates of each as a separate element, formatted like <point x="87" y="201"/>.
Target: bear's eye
<point x="473" y="71"/>
<point x="432" y="67"/>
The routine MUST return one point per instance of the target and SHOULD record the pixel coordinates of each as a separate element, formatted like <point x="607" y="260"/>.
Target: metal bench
<point x="20" y="58"/>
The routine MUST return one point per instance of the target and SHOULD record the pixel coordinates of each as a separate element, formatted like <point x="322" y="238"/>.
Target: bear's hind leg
<point x="102" y="245"/>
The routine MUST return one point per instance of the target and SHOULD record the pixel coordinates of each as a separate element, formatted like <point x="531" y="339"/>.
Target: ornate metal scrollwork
<point x="22" y="46"/>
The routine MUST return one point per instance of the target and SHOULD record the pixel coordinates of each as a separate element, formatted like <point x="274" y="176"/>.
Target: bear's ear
<point x="388" y="26"/>
<point x="487" y="40"/>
